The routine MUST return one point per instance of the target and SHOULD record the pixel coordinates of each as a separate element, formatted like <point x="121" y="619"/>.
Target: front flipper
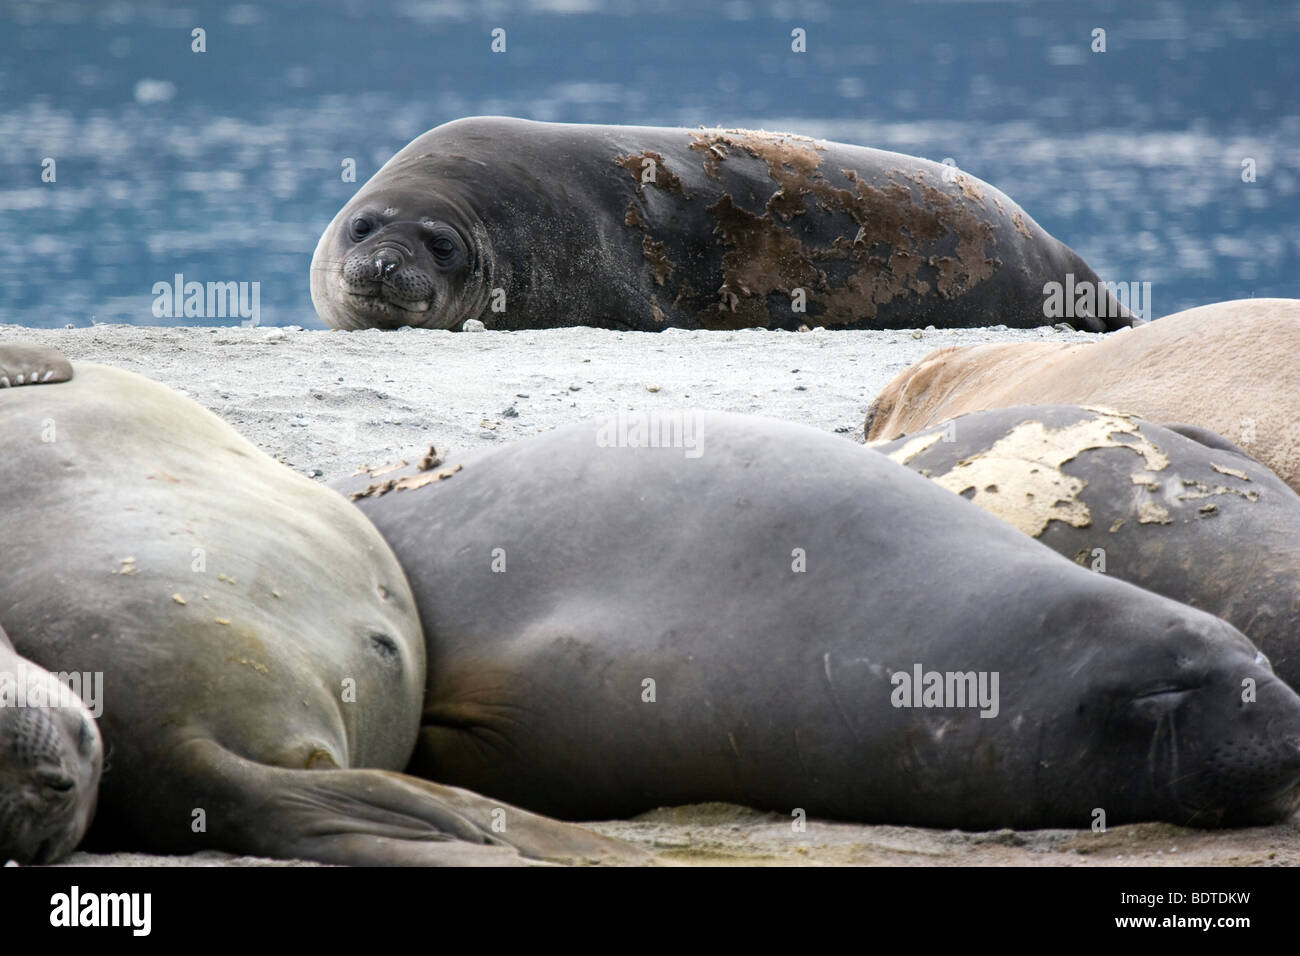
<point x="32" y="365"/>
<point x="354" y="817"/>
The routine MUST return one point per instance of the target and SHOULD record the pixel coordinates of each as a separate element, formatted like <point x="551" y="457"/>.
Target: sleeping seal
<point x="262" y="660"/>
<point x="529" y="225"/>
<point x="647" y="612"/>
<point x="51" y="755"/>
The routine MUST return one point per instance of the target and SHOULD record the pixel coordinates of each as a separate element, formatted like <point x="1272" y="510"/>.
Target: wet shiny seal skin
<point x="536" y="225"/>
<point x="1229" y="368"/>
<point x="614" y="627"/>
<point x="263" y="661"/>
<point x="1177" y="510"/>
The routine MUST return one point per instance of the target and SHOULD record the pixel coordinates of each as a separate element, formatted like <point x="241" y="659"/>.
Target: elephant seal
<point x="1176" y="510"/>
<point x="51" y="754"/>
<point x="262" y="659"/>
<point x="649" y="611"/>
<point x="1227" y="368"/>
<point x="530" y="225"/>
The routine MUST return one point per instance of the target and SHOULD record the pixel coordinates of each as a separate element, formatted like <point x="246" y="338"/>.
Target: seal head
<point x="402" y="253"/>
<point x="50" y="761"/>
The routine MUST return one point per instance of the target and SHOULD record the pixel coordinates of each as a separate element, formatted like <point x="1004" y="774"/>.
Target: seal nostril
<point x="385" y="261"/>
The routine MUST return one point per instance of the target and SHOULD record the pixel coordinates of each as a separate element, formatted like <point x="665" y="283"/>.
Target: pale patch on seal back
<point x="424" y="475"/>
<point x="1234" y="472"/>
<point x="912" y="448"/>
<point x="1029" y="497"/>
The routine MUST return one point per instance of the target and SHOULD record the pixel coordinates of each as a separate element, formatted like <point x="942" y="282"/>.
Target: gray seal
<point x="527" y="225"/>
<point x="653" y="611"/>
<point x="1175" y="509"/>
<point x="263" y="663"/>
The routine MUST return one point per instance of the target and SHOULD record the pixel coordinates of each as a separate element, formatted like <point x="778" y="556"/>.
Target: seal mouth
<point x="379" y="302"/>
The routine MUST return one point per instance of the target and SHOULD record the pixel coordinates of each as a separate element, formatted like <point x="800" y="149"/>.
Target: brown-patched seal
<point x="534" y="225"/>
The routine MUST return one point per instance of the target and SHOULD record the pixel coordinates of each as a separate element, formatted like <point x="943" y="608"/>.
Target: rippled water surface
<point x="224" y="165"/>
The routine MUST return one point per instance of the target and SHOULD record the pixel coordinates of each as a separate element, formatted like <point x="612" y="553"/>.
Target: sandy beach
<point x="325" y="403"/>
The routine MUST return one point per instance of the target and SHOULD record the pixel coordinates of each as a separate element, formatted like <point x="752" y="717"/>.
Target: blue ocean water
<point x="224" y="165"/>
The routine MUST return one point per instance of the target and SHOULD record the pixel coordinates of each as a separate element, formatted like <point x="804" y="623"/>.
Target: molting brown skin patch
<point x="652" y="162"/>
<point x="897" y="233"/>
<point x="660" y="265"/>
<point x="762" y="258"/>
<point x="566" y="232"/>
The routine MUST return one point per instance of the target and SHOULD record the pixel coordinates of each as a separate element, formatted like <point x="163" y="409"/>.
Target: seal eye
<point x="444" y="244"/>
<point x="1158" y="701"/>
<point x="360" y="227"/>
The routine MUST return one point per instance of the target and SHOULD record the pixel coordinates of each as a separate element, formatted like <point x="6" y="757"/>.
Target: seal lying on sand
<point x="258" y="642"/>
<point x="1229" y="368"/>
<point x="760" y="613"/>
<point x="50" y="751"/>
<point x="1177" y="511"/>
<point x="534" y="225"/>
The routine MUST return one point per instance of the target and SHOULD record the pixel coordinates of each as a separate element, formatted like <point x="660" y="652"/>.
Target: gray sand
<point x="327" y="402"/>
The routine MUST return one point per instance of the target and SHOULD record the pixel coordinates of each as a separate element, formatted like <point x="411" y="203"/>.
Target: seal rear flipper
<point x="32" y="365"/>
<point x="368" y="818"/>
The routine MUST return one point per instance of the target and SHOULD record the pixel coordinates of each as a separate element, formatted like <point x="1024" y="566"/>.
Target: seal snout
<point x="50" y="764"/>
<point x="386" y="260"/>
<point x="1240" y="763"/>
<point x="390" y="279"/>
